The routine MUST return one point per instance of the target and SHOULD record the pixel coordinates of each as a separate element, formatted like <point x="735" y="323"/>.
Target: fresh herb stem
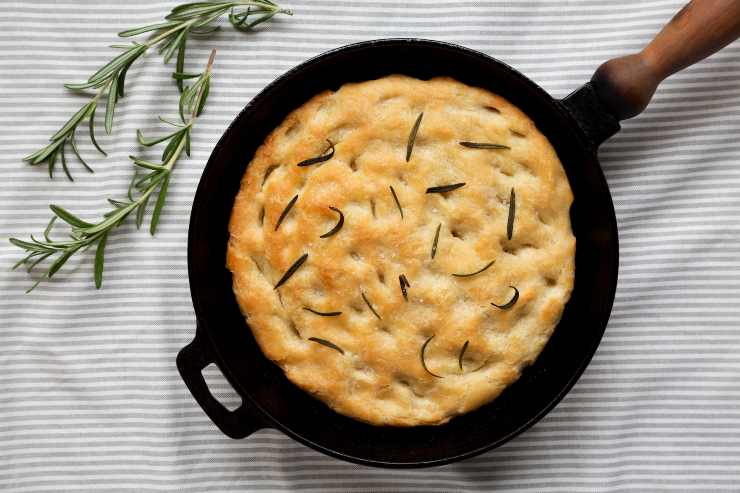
<point x="85" y="234"/>
<point x="170" y="36"/>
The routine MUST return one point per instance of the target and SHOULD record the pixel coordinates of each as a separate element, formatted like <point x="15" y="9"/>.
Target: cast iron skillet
<point x="575" y="126"/>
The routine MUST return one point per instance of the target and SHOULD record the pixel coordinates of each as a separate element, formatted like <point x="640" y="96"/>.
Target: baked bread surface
<point x="379" y="375"/>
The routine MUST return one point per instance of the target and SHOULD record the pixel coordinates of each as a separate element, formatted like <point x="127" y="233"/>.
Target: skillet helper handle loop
<point x="191" y="360"/>
<point x="626" y="84"/>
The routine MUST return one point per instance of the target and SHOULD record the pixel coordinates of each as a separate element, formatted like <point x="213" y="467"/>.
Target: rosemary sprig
<point x="512" y="211"/>
<point x="170" y="37"/>
<point x="325" y="156"/>
<point x="445" y="188"/>
<point x="462" y="354"/>
<point x="291" y="270"/>
<point x="412" y="136"/>
<point x="436" y="240"/>
<point x="370" y="306"/>
<point x="326" y="343"/>
<point x="423" y="361"/>
<point x="336" y="227"/>
<point x="66" y="136"/>
<point x="395" y="199"/>
<point x="285" y="212"/>
<point x="85" y="234"/>
<point x="323" y="314"/>
<point x="482" y="269"/>
<point x="483" y="145"/>
<point x="404" y="284"/>
<point x="511" y="302"/>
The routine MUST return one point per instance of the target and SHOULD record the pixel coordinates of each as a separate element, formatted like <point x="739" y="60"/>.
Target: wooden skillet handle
<point x="702" y="27"/>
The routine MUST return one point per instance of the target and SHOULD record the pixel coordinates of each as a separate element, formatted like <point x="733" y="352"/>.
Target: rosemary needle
<point x="404" y="282"/>
<point x="483" y="145"/>
<point x="462" y="354"/>
<point x="370" y="306"/>
<point x="292" y="270"/>
<point x="436" y="240"/>
<point x="336" y="227"/>
<point x="326" y="343"/>
<point x="327" y="155"/>
<point x="471" y="274"/>
<point x="512" y="212"/>
<point x="511" y="302"/>
<point x="322" y="314"/>
<point x="445" y="188"/>
<point x="423" y="361"/>
<point x="412" y="136"/>
<point x="285" y="212"/>
<point x="395" y="199"/>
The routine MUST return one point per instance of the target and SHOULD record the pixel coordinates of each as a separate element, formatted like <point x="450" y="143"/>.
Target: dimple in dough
<point x="379" y="378"/>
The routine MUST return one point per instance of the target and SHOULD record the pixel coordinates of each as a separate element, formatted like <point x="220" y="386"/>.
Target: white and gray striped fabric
<point x="90" y="399"/>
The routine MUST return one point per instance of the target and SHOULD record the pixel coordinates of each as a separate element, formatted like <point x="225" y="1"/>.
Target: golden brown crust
<point x="379" y="378"/>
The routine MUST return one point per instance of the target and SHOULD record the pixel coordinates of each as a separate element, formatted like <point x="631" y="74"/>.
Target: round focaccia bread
<point x="378" y="309"/>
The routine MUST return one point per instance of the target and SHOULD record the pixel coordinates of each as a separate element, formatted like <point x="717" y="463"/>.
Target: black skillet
<point x="575" y="126"/>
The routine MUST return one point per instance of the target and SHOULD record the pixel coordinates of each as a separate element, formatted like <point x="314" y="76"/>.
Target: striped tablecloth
<point x="90" y="399"/>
